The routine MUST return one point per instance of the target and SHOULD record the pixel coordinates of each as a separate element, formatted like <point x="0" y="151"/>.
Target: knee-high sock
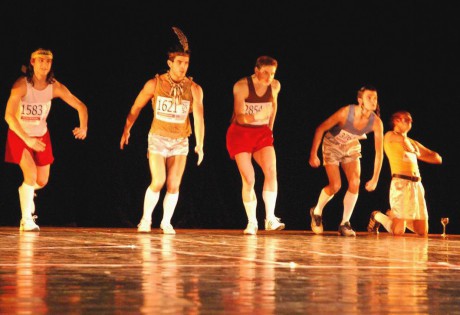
<point x="251" y="207"/>
<point x="323" y="199"/>
<point x="269" y="198"/>
<point x="26" y="199"/>
<point x="150" y="201"/>
<point x="169" y="205"/>
<point x="349" y="202"/>
<point x="385" y="221"/>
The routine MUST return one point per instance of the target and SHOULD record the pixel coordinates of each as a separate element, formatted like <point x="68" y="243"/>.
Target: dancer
<point x="28" y="141"/>
<point x="342" y="133"/>
<point x="250" y="135"/>
<point x="407" y="194"/>
<point x="174" y="96"/>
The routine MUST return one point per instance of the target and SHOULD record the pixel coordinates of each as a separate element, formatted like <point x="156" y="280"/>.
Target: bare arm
<point x="378" y="160"/>
<point x="427" y="155"/>
<point x="276" y="88"/>
<point x="61" y="91"/>
<point x="198" y="120"/>
<point x="145" y="95"/>
<point x="18" y="90"/>
<point x="336" y="118"/>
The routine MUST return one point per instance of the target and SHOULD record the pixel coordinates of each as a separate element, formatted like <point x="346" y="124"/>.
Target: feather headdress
<point x="182" y="38"/>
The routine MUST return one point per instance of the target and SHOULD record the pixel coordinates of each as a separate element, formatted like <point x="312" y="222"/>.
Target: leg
<point x="327" y="193"/>
<point x="420" y="227"/>
<point x="175" y="169"/>
<point x="266" y="159"/>
<point x="26" y="191"/>
<point x="244" y="163"/>
<point x="152" y="193"/>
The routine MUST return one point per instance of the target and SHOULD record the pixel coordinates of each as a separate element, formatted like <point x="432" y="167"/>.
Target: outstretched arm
<point x="142" y="98"/>
<point x="61" y="91"/>
<point x="378" y="160"/>
<point x="198" y="120"/>
<point x="427" y="155"/>
<point x="336" y="118"/>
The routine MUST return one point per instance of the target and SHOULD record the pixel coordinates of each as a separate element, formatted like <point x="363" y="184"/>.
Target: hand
<point x="79" y="133"/>
<point x="35" y="144"/>
<point x="124" y="139"/>
<point x="371" y="185"/>
<point x="199" y="151"/>
<point x="314" y="161"/>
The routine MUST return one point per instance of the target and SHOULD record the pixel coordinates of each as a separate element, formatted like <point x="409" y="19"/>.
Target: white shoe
<point x="29" y="224"/>
<point x="144" y="226"/>
<point x="274" y="224"/>
<point x="167" y="229"/>
<point x="251" y="229"/>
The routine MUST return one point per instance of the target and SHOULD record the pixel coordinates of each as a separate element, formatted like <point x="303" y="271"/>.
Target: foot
<point x="274" y="224"/>
<point x="167" y="229"/>
<point x="251" y="229"/>
<point x="316" y="222"/>
<point x="28" y="224"/>
<point x="346" y="230"/>
<point x="373" y="226"/>
<point x="145" y="226"/>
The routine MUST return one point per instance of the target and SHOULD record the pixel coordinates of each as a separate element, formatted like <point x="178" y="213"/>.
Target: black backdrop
<point x="105" y="52"/>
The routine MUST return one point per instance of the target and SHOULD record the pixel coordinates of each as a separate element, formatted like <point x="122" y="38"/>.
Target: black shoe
<point x="346" y="230"/>
<point x="316" y="222"/>
<point x="373" y="226"/>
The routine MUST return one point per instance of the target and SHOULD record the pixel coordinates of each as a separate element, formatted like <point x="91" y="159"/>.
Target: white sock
<point x="150" y="201"/>
<point x="169" y="205"/>
<point x="349" y="202"/>
<point x="323" y="199"/>
<point x="26" y="199"/>
<point x="385" y="221"/>
<point x="269" y="198"/>
<point x="251" y="207"/>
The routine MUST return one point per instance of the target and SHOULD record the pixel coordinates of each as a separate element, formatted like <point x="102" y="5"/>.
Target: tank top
<point x="171" y="120"/>
<point x="34" y="108"/>
<point x="348" y="132"/>
<point x="401" y="161"/>
<point x="255" y="103"/>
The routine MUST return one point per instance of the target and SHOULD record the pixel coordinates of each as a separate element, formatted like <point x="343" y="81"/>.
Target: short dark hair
<point x="266" y="61"/>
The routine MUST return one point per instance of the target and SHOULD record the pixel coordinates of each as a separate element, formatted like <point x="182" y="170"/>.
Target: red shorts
<point x="15" y="146"/>
<point x="247" y="139"/>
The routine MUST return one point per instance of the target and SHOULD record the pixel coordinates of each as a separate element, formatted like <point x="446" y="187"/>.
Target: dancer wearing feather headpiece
<point x="250" y="135"/>
<point x="174" y="97"/>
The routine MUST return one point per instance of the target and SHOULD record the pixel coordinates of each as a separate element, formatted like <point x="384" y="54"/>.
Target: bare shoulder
<point x="241" y="86"/>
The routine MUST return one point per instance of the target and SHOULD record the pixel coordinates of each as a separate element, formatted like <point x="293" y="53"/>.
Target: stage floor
<point x="119" y="271"/>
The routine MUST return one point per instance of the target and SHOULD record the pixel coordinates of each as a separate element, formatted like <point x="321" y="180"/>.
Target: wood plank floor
<point x="119" y="271"/>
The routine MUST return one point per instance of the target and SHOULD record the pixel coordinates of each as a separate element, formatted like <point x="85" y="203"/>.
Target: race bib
<point x="260" y="111"/>
<point x="166" y="111"/>
<point x="344" y="136"/>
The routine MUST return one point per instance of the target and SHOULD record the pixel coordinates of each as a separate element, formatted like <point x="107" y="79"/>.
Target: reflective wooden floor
<point x="119" y="271"/>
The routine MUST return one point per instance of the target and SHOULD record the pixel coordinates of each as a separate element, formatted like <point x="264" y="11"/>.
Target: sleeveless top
<point x="348" y="132"/>
<point x="34" y="108"/>
<point x="255" y="103"/>
<point x="401" y="160"/>
<point x="171" y="120"/>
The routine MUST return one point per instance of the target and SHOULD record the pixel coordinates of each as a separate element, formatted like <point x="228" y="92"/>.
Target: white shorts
<point x="335" y="153"/>
<point x="167" y="147"/>
<point x="407" y="199"/>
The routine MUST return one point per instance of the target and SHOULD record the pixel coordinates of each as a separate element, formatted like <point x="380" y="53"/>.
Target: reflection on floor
<point x="120" y="271"/>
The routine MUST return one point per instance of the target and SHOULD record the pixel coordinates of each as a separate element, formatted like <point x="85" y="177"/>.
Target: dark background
<point x="105" y="51"/>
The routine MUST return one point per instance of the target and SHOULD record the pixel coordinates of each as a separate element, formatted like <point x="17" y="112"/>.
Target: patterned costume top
<point x="170" y="119"/>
